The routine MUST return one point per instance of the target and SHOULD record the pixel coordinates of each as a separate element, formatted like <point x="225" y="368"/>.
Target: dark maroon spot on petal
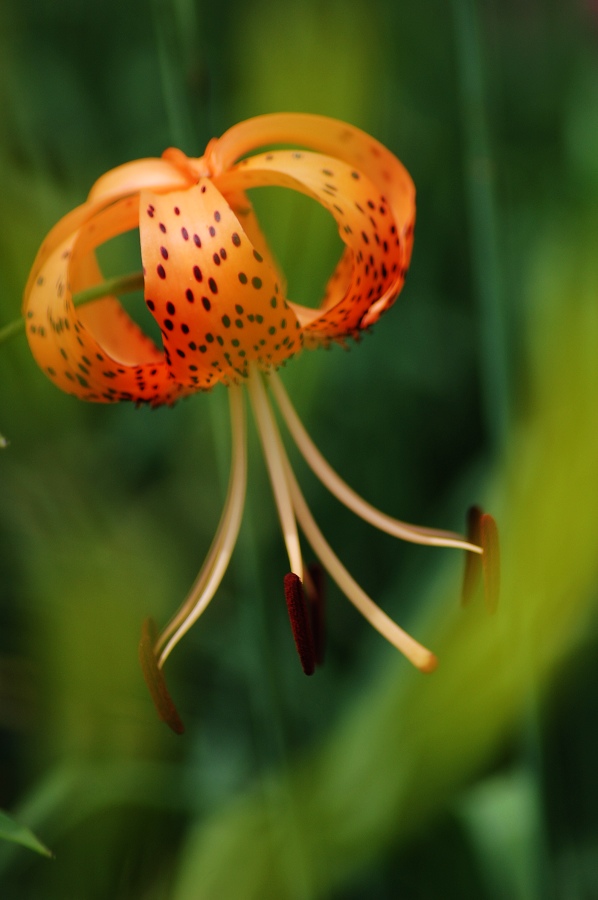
<point x="189" y="295"/>
<point x="213" y="285"/>
<point x="206" y="304"/>
<point x="161" y="271"/>
<point x="164" y="252"/>
<point x="197" y="273"/>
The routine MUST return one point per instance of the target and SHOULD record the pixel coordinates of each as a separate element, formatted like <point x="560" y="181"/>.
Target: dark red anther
<point x="316" y="596"/>
<point x="300" y="622"/>
<point x="473" y="561"/>
<point x="154" y="678"/>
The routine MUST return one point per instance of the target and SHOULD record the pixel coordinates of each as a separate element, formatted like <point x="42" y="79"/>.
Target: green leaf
<point x="18" y="834"/>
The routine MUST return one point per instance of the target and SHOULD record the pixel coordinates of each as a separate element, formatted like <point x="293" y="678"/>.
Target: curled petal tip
<point x="300" y="622"/>
<point x="154" y="679"/>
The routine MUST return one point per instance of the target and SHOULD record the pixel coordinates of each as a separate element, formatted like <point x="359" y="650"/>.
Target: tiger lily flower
<point x="214" y="289"/>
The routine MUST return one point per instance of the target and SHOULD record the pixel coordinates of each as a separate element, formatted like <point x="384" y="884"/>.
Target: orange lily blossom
<point x="213" y="287"/>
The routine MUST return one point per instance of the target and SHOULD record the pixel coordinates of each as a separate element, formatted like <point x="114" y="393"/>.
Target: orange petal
<point x="123" y="181"/>
<point x="95" y="353"/>
<point x="217" y="301"/>
<point x="366" y="225"/>
<point x="152" y="174"/>
<point x="333" y="138"/>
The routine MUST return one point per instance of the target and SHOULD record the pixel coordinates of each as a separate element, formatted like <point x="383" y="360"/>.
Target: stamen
<point x="417" y="654"/>
<point x="154" y="678"/>
<point x="490" y="560"/>
<point x="316" y="597"/>
<point x="481" y="528"/>
<point x="417" y="534"/>
<point x="473" y="563"/>
<point x="212" y="572"/>
<point x="272" y="446"/>
<point x="300" y="622"/>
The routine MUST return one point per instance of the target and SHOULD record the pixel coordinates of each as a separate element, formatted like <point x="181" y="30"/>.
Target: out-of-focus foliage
<point x="368" y="780"/>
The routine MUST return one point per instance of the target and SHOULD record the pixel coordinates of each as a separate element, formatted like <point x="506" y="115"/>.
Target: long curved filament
<point x="341" y="490"/>
<point x="272" y="446"/>
<point x="207" y="582"/>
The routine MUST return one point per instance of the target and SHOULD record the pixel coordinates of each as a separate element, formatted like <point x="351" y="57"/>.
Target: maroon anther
<point x="473" y="561"/>
<point x="300" y="622"/>
<point x="316" y="596"/>
<point x="155" y="679"/>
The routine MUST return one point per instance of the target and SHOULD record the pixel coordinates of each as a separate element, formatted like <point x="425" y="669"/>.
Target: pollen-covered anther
<point x="154" y="678"/>
<point x="300" y="619"/>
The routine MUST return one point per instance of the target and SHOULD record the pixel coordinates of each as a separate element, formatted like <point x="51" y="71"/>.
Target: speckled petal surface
<point x="96" y="353"/>
<point x="329" y="136"/>
<point x="365" y="223"/>
<point x="215" y="298"/>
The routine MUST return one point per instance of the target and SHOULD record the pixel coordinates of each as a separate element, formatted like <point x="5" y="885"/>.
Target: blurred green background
<point x="481" y="385"/>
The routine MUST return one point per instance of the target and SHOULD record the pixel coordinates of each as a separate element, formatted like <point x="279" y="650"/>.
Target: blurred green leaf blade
<point x="18" y="834"/>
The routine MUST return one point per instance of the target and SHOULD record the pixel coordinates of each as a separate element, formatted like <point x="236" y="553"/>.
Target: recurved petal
<point x="124" y="181"/>
<point x="215" y="298"/>
<point x="334" y="138"/>
<point x="95" y="353"/>
<point x="368" y="282"/>
<point x="141" y="174"/>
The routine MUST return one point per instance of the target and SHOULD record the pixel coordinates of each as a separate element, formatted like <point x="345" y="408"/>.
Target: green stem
<point x="484" y="223"/>
<point x="121" y="284"/>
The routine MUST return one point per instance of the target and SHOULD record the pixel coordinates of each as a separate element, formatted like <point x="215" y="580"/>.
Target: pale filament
<point x="341" y="490"/>
<point x="207" y="582"/>
<point x="270" y="440"/>
<point x="415" y="652"/>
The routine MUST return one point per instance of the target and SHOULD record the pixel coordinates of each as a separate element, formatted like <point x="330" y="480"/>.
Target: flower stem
<point x="121" y="284"/>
